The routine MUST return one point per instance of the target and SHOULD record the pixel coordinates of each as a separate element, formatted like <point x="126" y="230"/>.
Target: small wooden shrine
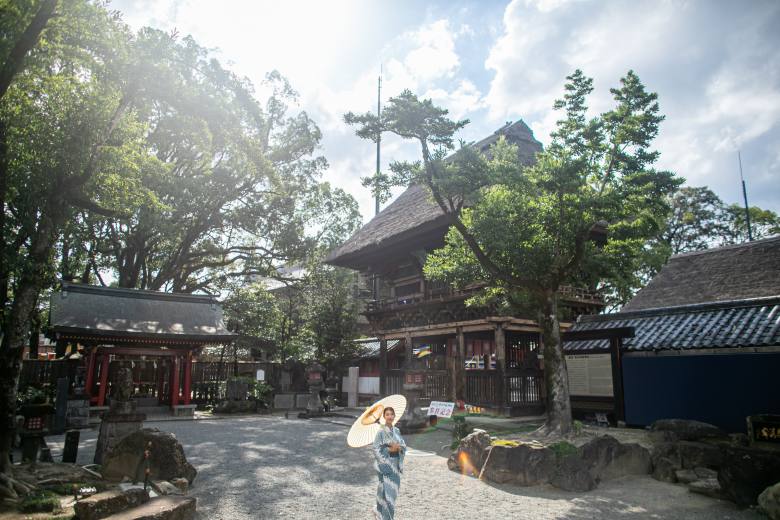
<point x="156" y="334"/>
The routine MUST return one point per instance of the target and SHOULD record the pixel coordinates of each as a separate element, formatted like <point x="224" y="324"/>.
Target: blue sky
<point x="715" y="65"/>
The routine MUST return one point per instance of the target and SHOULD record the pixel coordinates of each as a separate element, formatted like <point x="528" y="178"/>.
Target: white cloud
<point x="715" y="67"/>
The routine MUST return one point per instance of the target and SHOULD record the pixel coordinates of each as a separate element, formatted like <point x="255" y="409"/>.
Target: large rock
<point x="686" y="430"/>
<point x="708" y="487"/>
<point x="573" y="474"/>
<point x="769" y="501"/>
<point x="161" y="508"/>
<point x="665" y="470"/>
<point x="471" y="453"/>
<point x="107" y="503"/>
<point x="167" y="460"/>
<point x="607" y="458"/>
<point x="523" y="465"/>
<point x="666" y="461"/>
<point x="699" y="454"/>
<point x="747" y="472"/>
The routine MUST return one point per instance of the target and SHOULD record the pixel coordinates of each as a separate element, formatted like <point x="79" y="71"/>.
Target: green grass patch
<point x="43" y="501"/>
<point x="67" y="489"/>
<point x="563" y="449"/>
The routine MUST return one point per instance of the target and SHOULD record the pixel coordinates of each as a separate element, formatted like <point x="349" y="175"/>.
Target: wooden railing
<point x="441" y="291"/>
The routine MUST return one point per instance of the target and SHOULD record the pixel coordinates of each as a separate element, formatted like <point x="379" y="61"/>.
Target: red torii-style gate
<point x="131" y="322"/>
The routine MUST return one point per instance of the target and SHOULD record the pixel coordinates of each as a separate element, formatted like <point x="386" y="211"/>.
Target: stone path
<point x="271" y="467"/>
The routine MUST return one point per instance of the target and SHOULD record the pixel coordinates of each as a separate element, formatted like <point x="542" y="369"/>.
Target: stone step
<point x="154" y="410"/>
<point x="169" y="507"/>
<point x="108" y="503"/>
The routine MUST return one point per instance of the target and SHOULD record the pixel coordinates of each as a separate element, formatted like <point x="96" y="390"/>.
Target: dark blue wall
<point x="721" y="389"/>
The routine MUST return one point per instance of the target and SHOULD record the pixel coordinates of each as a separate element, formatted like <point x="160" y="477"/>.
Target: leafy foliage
<point x="581" y="215"/>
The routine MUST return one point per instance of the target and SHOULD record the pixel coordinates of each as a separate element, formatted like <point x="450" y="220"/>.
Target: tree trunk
<point x="18" y="328"/>
<point x="555" y="374"/>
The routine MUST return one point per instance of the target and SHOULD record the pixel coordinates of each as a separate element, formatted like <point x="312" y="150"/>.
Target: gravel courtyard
<point x="272" y="467"/>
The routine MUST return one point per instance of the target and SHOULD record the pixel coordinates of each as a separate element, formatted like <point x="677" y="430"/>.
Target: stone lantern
<point x="316" y="381"/>
<point x="414" y="384"/>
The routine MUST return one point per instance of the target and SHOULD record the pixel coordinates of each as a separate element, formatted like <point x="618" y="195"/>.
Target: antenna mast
<point x="744" y="195"/>
<point x="378" y="137"/>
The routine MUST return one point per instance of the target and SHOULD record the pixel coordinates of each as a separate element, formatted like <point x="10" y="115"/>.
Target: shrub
<point x="563" y="449"/>
<point x="40" y="502"/>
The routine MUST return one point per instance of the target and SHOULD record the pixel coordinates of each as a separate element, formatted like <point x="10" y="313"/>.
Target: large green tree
<point x="140" y="156"/>
<point x="526" y="232"/>
<point x="67" y="131"/>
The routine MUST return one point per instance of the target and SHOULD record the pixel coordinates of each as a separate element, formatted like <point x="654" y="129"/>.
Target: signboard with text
<point x="441" y="408"/>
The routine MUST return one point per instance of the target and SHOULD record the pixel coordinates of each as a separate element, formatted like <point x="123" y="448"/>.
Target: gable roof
<point x="90" y="311"/>
<point x="729" y="324"/>
<point x="749" y="270"/>
<point x="413" y="213"/>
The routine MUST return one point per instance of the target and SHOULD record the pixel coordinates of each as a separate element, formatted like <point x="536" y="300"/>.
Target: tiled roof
<point x="414" y="213"/>
<point x="105" y="311"/>
<point x="749" y="270"/>
<point x="743" y="323"/>
<point x="371" y="346"/>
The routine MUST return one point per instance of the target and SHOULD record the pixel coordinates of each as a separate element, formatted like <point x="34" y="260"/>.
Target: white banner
<point x="441" y="409"/>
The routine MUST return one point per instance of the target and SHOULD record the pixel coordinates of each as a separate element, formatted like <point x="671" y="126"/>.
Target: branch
<point x="28" y="39"/>
<point x="455" y="220"/>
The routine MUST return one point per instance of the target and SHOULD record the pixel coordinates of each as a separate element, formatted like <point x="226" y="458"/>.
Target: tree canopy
<point x="580" y="215"/>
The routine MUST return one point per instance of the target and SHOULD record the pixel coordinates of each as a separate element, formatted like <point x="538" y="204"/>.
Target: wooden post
<point x="174" y="381"/>
<point x="499" y="336"/>
<point x="382" y="365"/>
<point x="460" y="367"/>
<point x="617" y="377"/>
<point x="90" y="382"/>
<point x="187" y="376"/>
<point x="103" y="380"/>
<point x="408" y="347"/>
<point x="160" y="379"/>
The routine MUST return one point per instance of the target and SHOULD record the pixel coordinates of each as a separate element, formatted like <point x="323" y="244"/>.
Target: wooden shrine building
<point x="474" y="354"/>
<point x="154" y="333"/>
<point x="705" y="345"/>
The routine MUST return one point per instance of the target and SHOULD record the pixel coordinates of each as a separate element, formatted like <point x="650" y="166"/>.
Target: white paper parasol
<point x="371" y="420"/>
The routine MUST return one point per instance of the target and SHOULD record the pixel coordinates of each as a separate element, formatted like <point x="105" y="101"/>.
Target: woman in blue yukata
<point x="389" y="451"/>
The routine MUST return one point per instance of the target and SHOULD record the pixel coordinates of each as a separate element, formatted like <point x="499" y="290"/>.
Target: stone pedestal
<point x="414" y="418"/>
<point x="113" y="429"/>
<point x="121" y="419"/>
<point x="184" y="410"/>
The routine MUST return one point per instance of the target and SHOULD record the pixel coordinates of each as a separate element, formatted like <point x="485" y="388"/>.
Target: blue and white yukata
<point x="389" y="467"/>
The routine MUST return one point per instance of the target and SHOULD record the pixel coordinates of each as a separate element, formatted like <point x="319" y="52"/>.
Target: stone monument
<point x="414" y="418"/>
<point x="121" y="419"/>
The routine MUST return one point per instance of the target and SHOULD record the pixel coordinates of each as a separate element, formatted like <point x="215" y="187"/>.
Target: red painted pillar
<point x="174" y="386"/>
<point x="103" y="380"/>
<point x="187" y="376"/>
<point x="90" y="383"/>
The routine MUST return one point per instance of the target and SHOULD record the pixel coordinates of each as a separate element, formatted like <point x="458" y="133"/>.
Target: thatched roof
<point x="89" y="311"/>
<point x="750" y="270"/>
<point x="414" y="214"/>
<point x="730" y="324"/>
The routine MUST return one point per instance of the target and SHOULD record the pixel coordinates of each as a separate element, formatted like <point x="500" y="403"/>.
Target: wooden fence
<point x="208" y="378"/>
<point x="483" y="388"/>
<point x="524" y="388"/>
<point x="43" y="374"/>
